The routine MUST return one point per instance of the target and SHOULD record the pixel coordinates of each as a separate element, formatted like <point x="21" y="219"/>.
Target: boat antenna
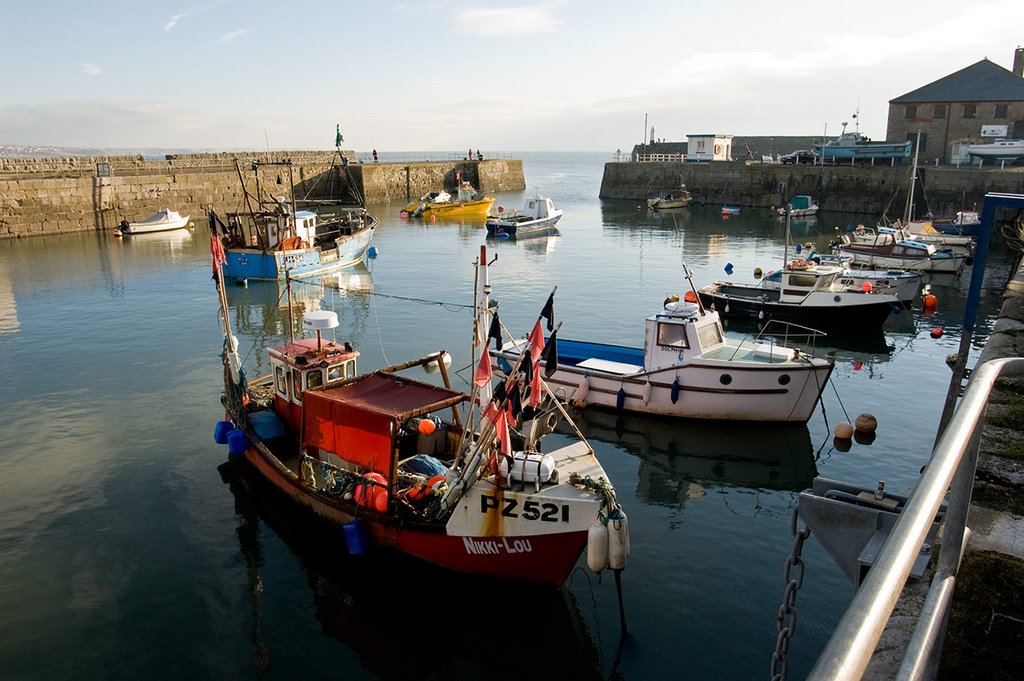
<point x="688" y="275"/>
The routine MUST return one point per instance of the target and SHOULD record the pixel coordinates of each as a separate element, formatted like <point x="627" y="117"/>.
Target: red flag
<point x="535" y="388"/>
<point x="217" y="251"/>
<point x="499" y="417"/>
<point x="482" y="376"/>
<point x="536" y="341"/>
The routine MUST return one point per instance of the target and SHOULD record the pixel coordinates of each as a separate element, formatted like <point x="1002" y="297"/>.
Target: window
<point x="1000" y="111"/>
<point x="911" y="111"/>
<point x="672" y="335"/>
<point x="314" y="379"/>
<point x="940" y="110"/>
<point x="297" y="384"/>
<point x="970" y="110"/>
<point x="281" y="382"/>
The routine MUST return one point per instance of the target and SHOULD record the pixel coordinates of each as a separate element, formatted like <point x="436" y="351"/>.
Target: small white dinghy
<point x="161" y="221"/>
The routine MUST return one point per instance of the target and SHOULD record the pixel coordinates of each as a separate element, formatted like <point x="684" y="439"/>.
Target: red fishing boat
<point x="457" y="479"/>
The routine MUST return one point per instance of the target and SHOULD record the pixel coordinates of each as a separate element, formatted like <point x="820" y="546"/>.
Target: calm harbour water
<point x="124" y="555"/>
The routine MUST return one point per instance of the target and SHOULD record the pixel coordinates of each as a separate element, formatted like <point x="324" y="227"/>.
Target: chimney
<point x="1018" y="62"/>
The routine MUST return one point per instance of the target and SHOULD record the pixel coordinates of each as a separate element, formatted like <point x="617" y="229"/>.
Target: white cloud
<point x="90" y="69"/>
<point x="231" y="35"/>
<point x="507" y="21"/>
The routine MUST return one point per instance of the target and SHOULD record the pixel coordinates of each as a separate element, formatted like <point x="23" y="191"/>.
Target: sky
<point x="440" y="75"/>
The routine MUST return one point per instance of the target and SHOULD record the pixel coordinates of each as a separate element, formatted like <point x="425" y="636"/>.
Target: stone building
<point x="975" y="105"/>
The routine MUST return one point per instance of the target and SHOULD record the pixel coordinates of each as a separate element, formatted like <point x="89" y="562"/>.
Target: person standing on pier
<point x="374" y="155"/>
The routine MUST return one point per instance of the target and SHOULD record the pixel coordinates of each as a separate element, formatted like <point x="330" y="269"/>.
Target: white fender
<point x="582" y="390"/>
<point x="618" y="540"/>
<point x="597" y="547"/>
<point x="234" y="362"/>
<point x="647" y="392"/>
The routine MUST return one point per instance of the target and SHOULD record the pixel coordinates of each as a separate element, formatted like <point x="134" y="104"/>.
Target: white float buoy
<point x="618" y="539"/>
<point x="582" y="390"/>
<point x="597" y="547"/>
<point x="647" y="392"/>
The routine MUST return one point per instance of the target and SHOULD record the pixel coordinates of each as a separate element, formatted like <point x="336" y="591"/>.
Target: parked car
<point x="800" y="156"/>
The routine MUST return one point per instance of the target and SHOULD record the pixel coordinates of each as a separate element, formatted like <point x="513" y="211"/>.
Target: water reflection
<point x="680" y="460"/>
<point x="260" y="308"/>
<point x="403" y="618"/>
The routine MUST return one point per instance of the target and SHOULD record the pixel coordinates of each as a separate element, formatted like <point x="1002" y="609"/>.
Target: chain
<point x="785" y="621"/>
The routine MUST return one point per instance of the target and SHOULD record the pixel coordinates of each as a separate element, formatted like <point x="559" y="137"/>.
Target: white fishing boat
<point x="537" y="217"/>
<point x="904" y="285"/>
<point x="799" y="206"/>
<point x="161" y="221"/>
<point x="889" y="248"/>
<point x="686" y="368"/>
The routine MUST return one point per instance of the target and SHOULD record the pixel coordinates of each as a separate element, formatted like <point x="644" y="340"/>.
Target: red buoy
<point x="936" y="332"/>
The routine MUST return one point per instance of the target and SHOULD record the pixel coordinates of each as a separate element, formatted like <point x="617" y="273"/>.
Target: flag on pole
<point x="550" y="355"/>
<point x="483" y="374"/>
<point x="535" y="388"/>
<point x="338" y="139"/>
<point x="536" y="341"/>
<point x="495" y="332"/>
<point x="549" y="311"/>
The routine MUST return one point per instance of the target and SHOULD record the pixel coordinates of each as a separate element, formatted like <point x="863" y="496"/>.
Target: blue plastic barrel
<point x="237" y="442"/>
<point x="355" y="537"/>
<point x="221" y="432"/>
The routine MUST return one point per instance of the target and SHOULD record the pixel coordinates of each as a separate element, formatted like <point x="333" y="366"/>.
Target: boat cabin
<point x="307" y="364"/>
<point x="682" y="327"/>
<point x="801" y="278"/>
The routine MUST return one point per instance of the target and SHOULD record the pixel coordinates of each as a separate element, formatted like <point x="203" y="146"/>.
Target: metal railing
<point x="952" y="466"/>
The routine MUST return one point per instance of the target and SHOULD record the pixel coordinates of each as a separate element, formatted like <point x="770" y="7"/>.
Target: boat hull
<point x="952" y="263"/>
<point x="845" y="312"/>
<point x="522" y="229"/>
<point x="181" y="222"/>
<point x="256" y="263"/>
<point x="478" y="208"/>
<point x="545" y="551"/>
<point x="707" y="389"/>
<point x="868" y="150"/>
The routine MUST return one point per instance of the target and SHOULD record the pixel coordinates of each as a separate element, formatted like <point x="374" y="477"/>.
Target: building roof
<point x="980" y="82"/>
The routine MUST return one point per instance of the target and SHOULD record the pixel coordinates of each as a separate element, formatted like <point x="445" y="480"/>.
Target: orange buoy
<point x="843" y="431"/>
<point x="930" y="300"/>
<point x="427" y="426"/>
<point x="866" y="287"/>
<point x="380" y="501"/>
<point x="690" y="297"/>
<point x="937" y="332"/>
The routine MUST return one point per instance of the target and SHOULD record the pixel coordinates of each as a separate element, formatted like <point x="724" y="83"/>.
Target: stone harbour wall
<point x="53" y="196"/>
<point x="857" y="189"/>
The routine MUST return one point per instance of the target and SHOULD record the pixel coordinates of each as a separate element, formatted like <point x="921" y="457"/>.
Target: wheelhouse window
<point x="940" y="111"/>
<point x="802" y="280"/>
<point x="672" y="335"/>
<point x="709" y="335"/>
<point x="281" y="382"/>
<point x="1000" y="111"/>
<point x="297" y="384"/>
<point x="314" y="379"/>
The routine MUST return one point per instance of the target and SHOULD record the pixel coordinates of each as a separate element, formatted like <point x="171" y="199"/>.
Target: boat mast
<point x="913" y="181"/>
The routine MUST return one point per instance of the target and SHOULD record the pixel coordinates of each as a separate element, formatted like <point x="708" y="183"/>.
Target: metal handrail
<point x="848" y="653"/>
